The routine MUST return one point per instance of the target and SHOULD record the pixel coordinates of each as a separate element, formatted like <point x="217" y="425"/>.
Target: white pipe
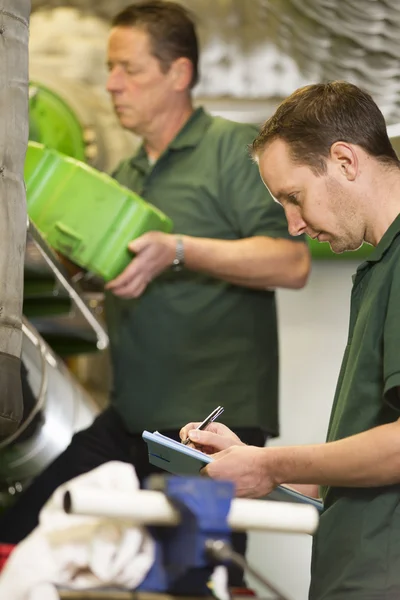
<point x="146" y="507"/>
<point x="267" y="515"/>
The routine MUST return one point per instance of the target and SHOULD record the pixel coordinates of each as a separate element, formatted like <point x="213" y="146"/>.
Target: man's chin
<point x="125" y="122"/>
<point x="340" y="246"/>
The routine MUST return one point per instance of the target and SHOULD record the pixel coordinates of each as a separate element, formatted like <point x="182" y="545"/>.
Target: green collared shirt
<point x="356" y="551"/>
<point x="192" y="342"/>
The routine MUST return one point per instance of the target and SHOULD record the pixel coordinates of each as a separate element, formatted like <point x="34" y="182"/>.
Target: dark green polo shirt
<point x="192" y="342"/>
<point x="356" y="551"/>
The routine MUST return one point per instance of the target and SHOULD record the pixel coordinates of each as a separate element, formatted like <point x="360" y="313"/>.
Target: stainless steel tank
<point x="59" y="406"/>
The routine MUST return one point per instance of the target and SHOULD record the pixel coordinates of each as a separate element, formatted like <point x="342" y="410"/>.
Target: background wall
<point x="313" y="326"/>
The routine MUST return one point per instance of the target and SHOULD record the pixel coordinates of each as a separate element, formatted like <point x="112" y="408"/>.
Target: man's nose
<point x="296" y="224"/>
<point x="114" y="81"/>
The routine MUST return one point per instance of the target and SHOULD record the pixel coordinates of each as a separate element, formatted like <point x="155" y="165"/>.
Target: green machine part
<point x="53" y="123"/>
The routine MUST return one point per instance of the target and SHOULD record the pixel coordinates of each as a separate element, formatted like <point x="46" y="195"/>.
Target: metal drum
<point x="58" y="407"/>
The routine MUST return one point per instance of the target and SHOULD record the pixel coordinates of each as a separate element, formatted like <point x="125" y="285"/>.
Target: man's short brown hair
<point x="171" y="30"/>
<point x="316" y="116"/>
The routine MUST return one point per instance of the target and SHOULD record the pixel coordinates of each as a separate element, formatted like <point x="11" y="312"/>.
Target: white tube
<point x="267" y="515"/>
<point x="143" y="507"/>
<point x="146" y="507"/>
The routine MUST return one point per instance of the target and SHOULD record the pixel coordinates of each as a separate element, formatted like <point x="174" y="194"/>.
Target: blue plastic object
<point x="181" y="565"/>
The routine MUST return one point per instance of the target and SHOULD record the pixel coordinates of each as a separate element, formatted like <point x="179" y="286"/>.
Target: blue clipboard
<point x="287" y="494"/>
<point x="179" y="459"/>
<point x="173" y="456"/>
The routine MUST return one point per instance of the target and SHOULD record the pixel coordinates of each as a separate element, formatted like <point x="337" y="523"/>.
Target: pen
<point x="211" y="417"/>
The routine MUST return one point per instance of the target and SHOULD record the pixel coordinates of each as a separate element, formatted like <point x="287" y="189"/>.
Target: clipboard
<point x="173" y="456"/>
<point x="283" y="493"/>
<point x="178" y="459"/>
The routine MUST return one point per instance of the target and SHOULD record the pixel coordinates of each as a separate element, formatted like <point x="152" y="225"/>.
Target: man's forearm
<point x="257" y="262"/>
<point x="368" y="459"/>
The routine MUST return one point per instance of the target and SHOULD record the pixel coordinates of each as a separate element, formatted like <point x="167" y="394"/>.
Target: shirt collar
<point x="188" y="137"/>
<point x="193" y="130"/>
<point x="384" y="244"/>
<point x="140" y="161"/>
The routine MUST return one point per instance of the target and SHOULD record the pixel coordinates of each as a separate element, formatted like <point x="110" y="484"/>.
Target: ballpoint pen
<point x="211" y="417"/>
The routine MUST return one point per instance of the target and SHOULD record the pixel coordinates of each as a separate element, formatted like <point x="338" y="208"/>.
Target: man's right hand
<point x="215" y="438"/>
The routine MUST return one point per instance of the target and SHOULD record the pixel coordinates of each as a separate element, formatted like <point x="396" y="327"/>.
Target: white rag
<point x="79" y="552"/>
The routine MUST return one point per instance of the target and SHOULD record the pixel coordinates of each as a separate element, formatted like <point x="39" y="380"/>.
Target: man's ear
<point x="182" y="73"/>
<point x="345" y="157"/>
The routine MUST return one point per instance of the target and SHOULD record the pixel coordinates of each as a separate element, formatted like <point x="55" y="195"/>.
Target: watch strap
<point x="179" y="260"/>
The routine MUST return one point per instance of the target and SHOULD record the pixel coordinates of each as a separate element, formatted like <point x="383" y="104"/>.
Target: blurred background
<point x="254" y="53"/>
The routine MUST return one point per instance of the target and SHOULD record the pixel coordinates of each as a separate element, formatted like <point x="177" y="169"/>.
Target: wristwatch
<point x="179" y="260"/>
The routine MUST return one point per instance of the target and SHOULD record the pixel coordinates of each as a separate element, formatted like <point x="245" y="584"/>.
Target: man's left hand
<point x="247" y="467"/>
<point x="154" y="252"/>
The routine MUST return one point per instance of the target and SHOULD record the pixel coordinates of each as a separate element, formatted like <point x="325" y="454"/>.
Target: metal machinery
<point x="191" y="520"/>
<point x="60" y="318"/>
<point x="13" y="138"/>
<point x="55" y="404"/>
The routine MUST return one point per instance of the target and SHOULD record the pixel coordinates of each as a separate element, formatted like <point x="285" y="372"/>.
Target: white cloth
<point x="76" y="551"/>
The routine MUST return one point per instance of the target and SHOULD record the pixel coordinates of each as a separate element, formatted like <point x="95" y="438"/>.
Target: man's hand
<point x="247" y="467"/>
<point x="154" y="252"/>
<point x="213" y="439"/>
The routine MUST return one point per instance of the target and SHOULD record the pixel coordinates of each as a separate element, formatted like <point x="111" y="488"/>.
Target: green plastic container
<point x="85" y="214"/>
<point x="53" y="123"/>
